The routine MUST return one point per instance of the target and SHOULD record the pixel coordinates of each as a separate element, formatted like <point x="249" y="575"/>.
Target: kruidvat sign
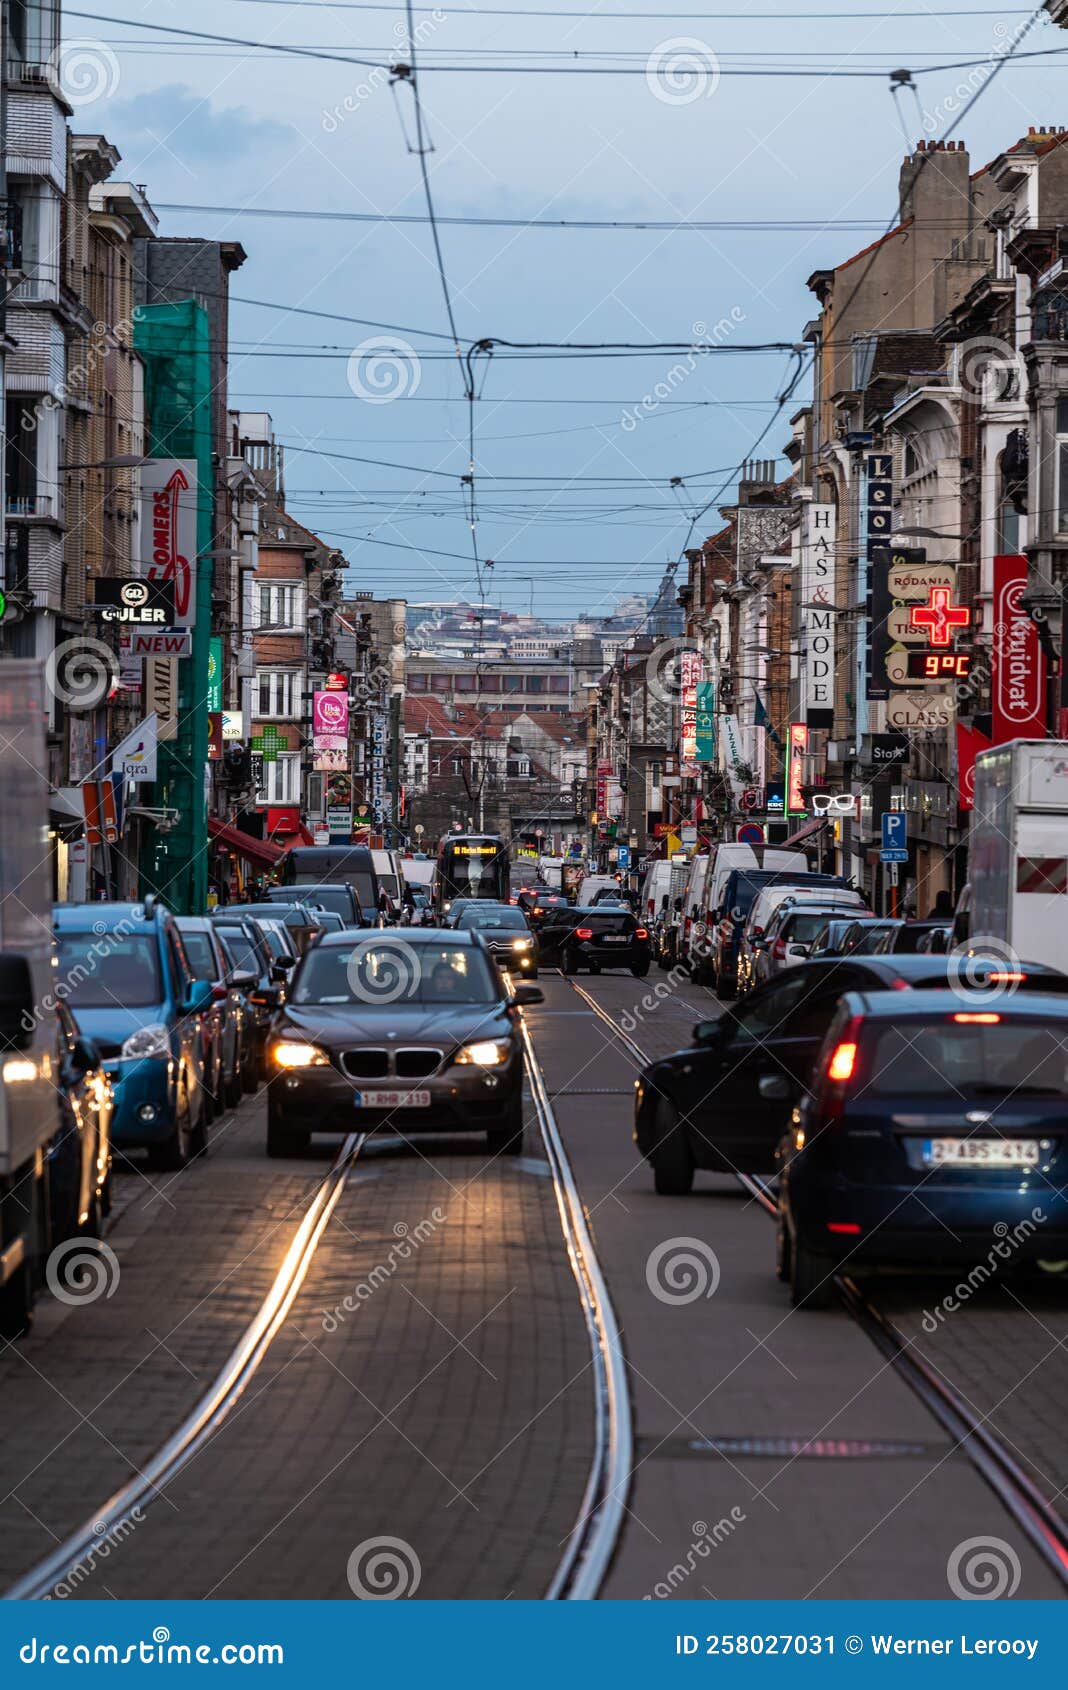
<point x="1017" y="662"/>
<point x="169" y="530"/>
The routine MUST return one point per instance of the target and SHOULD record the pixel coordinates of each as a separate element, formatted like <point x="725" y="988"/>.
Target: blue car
<point x="122" y="969"/>
<point x="934" y="1136"/>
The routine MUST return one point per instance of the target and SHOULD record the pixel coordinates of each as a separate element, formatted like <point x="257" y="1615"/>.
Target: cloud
<point x="178" y="120"/>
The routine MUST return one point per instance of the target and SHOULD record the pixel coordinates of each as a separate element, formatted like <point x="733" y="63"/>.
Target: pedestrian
<point x="942" y="908"/>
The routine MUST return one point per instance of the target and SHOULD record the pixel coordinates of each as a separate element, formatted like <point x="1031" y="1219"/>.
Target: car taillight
<point x="583" y="932"/>
<point x="843" y="1061"/>
<point x="687" y="924"/>
<point x="779" y="949"/>
<point x="984" y="1018"/>
<point x="641" y="933"/>
<point x="1006" y="976"/>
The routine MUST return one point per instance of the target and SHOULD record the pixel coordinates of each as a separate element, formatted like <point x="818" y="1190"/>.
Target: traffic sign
<point x="895" y="837"/>
<point x="750" y="833"/>
<point x="623" y="856"/>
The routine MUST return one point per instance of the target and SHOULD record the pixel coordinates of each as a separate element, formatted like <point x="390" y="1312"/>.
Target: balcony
<point x="30" y="505"/>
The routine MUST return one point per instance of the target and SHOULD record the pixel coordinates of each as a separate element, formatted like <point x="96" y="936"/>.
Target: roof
<point x="935" y="1001"/>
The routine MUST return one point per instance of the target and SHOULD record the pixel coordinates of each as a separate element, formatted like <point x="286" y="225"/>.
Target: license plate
<point x="391" y="1099"/>
<point x="981" y="1152"/>
<point x="614" y="939"/>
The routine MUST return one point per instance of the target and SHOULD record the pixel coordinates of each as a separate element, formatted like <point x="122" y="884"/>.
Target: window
<point x="513" y="683"/>
<point x="558" y="683"/>
<point x="280" y="606"/>
<point x="535" y="683"/>
<point x="439" y="683"/>
<point x="278" y="694"/>
<point x="417" y="683"/>
<point x="491" y="683"/>
<point x="1062" y="465"/>
<point x="467" y="683"/>
<point x="281" y="780"/>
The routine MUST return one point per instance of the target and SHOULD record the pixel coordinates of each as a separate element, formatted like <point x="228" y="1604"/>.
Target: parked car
<point x="132" y="993"/>
<point x="506" y="934"/>
<point x="262" y="977"/>
<point x="547" y="902"/>
<point x="736" y="892"/>
<point x="79" y="1157"/>
<point x="724" y="1102"/>
<point x="905" y="938"/>
<point x="339" y="897"/>
<point x="848" y="936"/>
<point x="927" y="1128"/>
<point x="771" y="898"/>
<point x="442" y="1055"/>
<point x="791" y="933"/>
<point x="690" y="942"/>
<point x="605" y="937"/>
<point x="303" y="923"/>
<point x="227" y="1026"/>
<point x="937" y="940"/>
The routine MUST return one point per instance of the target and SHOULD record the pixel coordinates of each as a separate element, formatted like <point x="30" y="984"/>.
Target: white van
<point x="768" y="901"/>
<point x="692" y="931"/>
<point x="595" y="883"/>
<point x="390" y="879"/>
<point x="732" y="856"/>
<point x="655" y="889"/>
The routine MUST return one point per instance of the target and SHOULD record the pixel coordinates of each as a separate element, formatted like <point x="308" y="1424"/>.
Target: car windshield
<point x="109" y="969"/>
<point x="201" y="954"/>
<point x="945" y="1058"/>
<point x="800" y="928"/>
<point x="866" y="940"/>
<point x="503" y="917"/>
<point x="390" y="972"/>
<point x="242" y="951"/>
<point x="275" y="942"/>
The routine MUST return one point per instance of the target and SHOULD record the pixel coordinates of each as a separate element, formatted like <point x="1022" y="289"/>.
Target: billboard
<point x="1017" y="662"/>
<point x="817" y="614"/>
<point x="169" y="530"/>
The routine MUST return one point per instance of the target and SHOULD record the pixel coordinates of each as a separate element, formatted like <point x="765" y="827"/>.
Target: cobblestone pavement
<point x="447" y="1403"/>
<point x="777" y="1452"/>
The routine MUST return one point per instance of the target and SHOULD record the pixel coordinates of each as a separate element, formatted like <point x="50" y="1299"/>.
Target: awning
<point x="258" y="851"/>
<point x="805" y="832"/>
<point x="66" y="812"/>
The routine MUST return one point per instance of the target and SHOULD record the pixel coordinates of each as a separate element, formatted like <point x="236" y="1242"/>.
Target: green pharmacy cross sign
<point x="269" y="742"/>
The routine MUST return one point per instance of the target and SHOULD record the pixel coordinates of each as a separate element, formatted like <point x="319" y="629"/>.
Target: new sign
<point x="169" y="530"/>
<point x="817" y="615"/>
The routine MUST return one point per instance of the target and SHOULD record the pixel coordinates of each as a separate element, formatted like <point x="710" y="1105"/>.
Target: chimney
<point x="933" y="182"/>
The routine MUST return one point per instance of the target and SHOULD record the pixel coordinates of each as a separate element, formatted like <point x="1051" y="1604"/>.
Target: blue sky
<point x="573" y="471"/>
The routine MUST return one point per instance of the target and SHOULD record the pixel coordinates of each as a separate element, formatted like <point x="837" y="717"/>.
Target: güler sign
<point x="1017" y="662"/>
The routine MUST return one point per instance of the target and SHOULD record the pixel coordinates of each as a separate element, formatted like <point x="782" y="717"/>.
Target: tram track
<point x="588" y="1547"/>
<point x="1033" y="1511"/>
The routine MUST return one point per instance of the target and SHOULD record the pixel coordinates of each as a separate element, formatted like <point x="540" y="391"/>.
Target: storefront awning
<point x="805" y="832"/>
<point x="259" y="851"/>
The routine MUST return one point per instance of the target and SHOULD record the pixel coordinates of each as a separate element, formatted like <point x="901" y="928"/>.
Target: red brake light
<point x="687" y="924"/>
<point x="899" y="985"/>
<point x="842" y="1063"/>
<point x="985" y="1018"/>
<point x="641" y="933"/>
<point x="583" y="932"/>
<point x="1007" y="976"/>
<point x="850" y="1227"/>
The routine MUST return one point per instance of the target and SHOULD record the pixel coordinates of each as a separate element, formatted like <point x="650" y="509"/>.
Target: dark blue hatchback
<point x="934" y="1131"/>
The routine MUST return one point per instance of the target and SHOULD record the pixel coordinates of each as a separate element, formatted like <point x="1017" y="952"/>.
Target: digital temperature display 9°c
<point x="939" y="665"/>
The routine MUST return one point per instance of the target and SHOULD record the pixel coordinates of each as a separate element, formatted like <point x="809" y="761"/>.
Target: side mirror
<point x="84" y="1055"/>
<point x="774" y="1087"/>
<point x="708" y="1032"/>
<point x="281" y="969"/>
<point x="199" y="996"/>
<point x="802" y="950"/>
<point x="241" y="978"/>
<point x="525" y="995"/>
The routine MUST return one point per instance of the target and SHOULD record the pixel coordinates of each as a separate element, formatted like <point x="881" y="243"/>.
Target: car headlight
<point x="290" y="1053"/>
<point x="19" y="1070"/>
<point x="487" y="1053"/>
<point x="153" y="1040"/>
<point x="520" y="944"/>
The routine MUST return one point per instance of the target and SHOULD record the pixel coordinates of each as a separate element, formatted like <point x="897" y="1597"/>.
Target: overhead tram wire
<point x="658" y="17"/>
<point x="642" y="225"/>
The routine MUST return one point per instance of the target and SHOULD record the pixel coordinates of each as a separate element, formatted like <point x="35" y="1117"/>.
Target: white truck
<point x="29" y="1114"/>
<point x="1018" y="851"/>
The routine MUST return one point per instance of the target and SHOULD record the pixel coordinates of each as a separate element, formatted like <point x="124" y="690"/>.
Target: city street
<point x="442" y="1394"/>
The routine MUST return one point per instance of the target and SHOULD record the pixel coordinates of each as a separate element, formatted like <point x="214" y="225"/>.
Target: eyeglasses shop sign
<point x="817" y="614"/>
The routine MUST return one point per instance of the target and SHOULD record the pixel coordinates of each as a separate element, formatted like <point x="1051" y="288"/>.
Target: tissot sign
<point x="1017" y="664"/>
<point x="169" y="530"/>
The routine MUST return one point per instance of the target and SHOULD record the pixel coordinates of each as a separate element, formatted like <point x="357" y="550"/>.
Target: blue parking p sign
<point x="895" y="837"/>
